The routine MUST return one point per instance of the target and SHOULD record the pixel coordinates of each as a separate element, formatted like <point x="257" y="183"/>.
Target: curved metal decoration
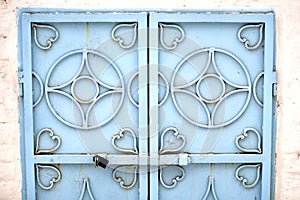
<point x="86" y="185"/>
<point x="219" y="98"/>
<point x="210" y="187"/>
<point x="243" y="179"/>
<point x="259" y="76"/>
<point x="52" y="181"/>
<point x="176" y="40"/>
<point x="41" y="88"/>
<point x="136" y="76"/>
<point x="244" y="136"/>
<point x="120" y="40"/>
<point x="162" y="101"/>
<point x="246" y="40"/>
<point x="176" y="135"/>
<point x="50" y="40"/>
<point x="82" y="100"/>
<point x="120" y="135"/>
<point x="76" y="101"/>
<point x="211" y="61"/>
<point x="175" y="180"/>
<point x="121" y="181"/>
<point x="52" y="136"/>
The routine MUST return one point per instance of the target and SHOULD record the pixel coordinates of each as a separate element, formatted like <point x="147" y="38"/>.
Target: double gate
<point x="147" y="105"/>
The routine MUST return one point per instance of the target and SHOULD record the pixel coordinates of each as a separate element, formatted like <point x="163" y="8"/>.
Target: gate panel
<point x="214" y="76"/>
<point x="85" y="82"/>
<point x="81" y="74"/>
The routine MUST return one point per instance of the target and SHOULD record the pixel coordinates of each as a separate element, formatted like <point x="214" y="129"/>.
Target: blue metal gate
<point x="214" y="110"/>
<point x="171" y="105"/>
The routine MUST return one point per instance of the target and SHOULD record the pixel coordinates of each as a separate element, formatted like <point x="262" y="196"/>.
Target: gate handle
<point x="100" y="161"/>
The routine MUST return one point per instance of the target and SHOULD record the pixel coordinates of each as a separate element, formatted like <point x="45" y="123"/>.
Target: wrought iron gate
<point x="174" y="105"/>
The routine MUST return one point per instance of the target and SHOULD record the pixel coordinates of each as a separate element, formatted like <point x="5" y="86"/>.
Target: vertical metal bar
<point x="28" y="114"/>
<point x="267" y="109"/>
<point x="143" y="104"/>
<point x="153" y="105"/>
<point x="21" y="105"/>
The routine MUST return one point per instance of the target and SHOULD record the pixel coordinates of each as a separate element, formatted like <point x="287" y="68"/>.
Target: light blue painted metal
<point x="214" y="58"/>
<point x="205" y="78"/>
<point x="71" y="63"/>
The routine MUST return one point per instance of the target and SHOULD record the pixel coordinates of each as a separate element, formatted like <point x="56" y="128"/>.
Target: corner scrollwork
<point x="176" y="40"/>
<point x="117" y="38"/>
<point x="245" y="180"/>
<point x="52" y="181"/>
<point x="50" y="41"/>
<point x="121" y="181"/>
<point x="244" y="136"/>
<point x="53" y="137"/>
<point x="174" y="180"/>
<point x="176" y="135"/>
<point x="120" y="135"/>
<point x="246" y="41"/>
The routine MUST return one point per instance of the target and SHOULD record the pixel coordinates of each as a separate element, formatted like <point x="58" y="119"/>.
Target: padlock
<point x="100" y="161"/>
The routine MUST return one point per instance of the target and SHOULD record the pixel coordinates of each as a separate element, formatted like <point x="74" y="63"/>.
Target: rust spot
<point x="278" y="104"/>
<point x="58" y="167"/>
<point x="87" y="35"/>
<point x="210" y="168"/>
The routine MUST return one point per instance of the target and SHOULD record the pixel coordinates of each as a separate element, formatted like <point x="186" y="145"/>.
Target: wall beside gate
<point x="288" y="59"/>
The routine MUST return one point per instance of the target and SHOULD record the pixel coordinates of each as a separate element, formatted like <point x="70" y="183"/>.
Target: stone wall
<point x="288" y="59"/>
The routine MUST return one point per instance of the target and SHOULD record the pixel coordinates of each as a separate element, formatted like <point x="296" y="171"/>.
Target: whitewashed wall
<point x="288" y="65"/>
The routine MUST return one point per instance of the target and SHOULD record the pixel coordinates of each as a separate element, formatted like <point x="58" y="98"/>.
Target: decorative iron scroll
<point x="50" y="40"/>
<point x="175" y="180"/>
<point x="119" y="178"/>
<point x="245" y="180"/>
<point x="258" y="77"/>
<point x="135" y="76"/>
<point x="246" y="41"/>
<point x="221" y="78"/>
<point x="52" y="181"/>
<point x="244" y="136"/>
<point x="133" y="150"/>
<point x="176" y="135"/>
<point x="134" y="102"/>
<point x="210" y="187"/>
<point x="53" y="137"/>
<point x="86" y="186"/>
<point x="92" y="99"/>
<point x="120" y="135"/>
<point x="176" y="40"/>
<point x="35" y="75"/>
<point x="120" y="40"/>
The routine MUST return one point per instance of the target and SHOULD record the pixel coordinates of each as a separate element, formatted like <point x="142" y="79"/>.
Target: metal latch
<point x="21" y="83"/>
<point x="100" y="161"/>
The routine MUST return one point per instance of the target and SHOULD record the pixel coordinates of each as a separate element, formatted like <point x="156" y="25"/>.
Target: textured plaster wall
<point x="288" y="59"/>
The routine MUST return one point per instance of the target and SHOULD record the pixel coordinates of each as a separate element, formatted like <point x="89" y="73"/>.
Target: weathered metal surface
<point x="90" y="79"/>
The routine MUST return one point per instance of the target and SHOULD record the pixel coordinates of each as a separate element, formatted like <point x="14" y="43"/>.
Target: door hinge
<point x="274" y="89"/>
<point x="274" y="83"/>
<point x="21" y="83"/>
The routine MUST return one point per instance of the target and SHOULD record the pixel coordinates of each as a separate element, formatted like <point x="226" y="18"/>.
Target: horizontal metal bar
<point x="181" y="159"/>
<point x="225" y="158"/>
<point x="114" y="159"/>
<point x="155" y="10"/>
